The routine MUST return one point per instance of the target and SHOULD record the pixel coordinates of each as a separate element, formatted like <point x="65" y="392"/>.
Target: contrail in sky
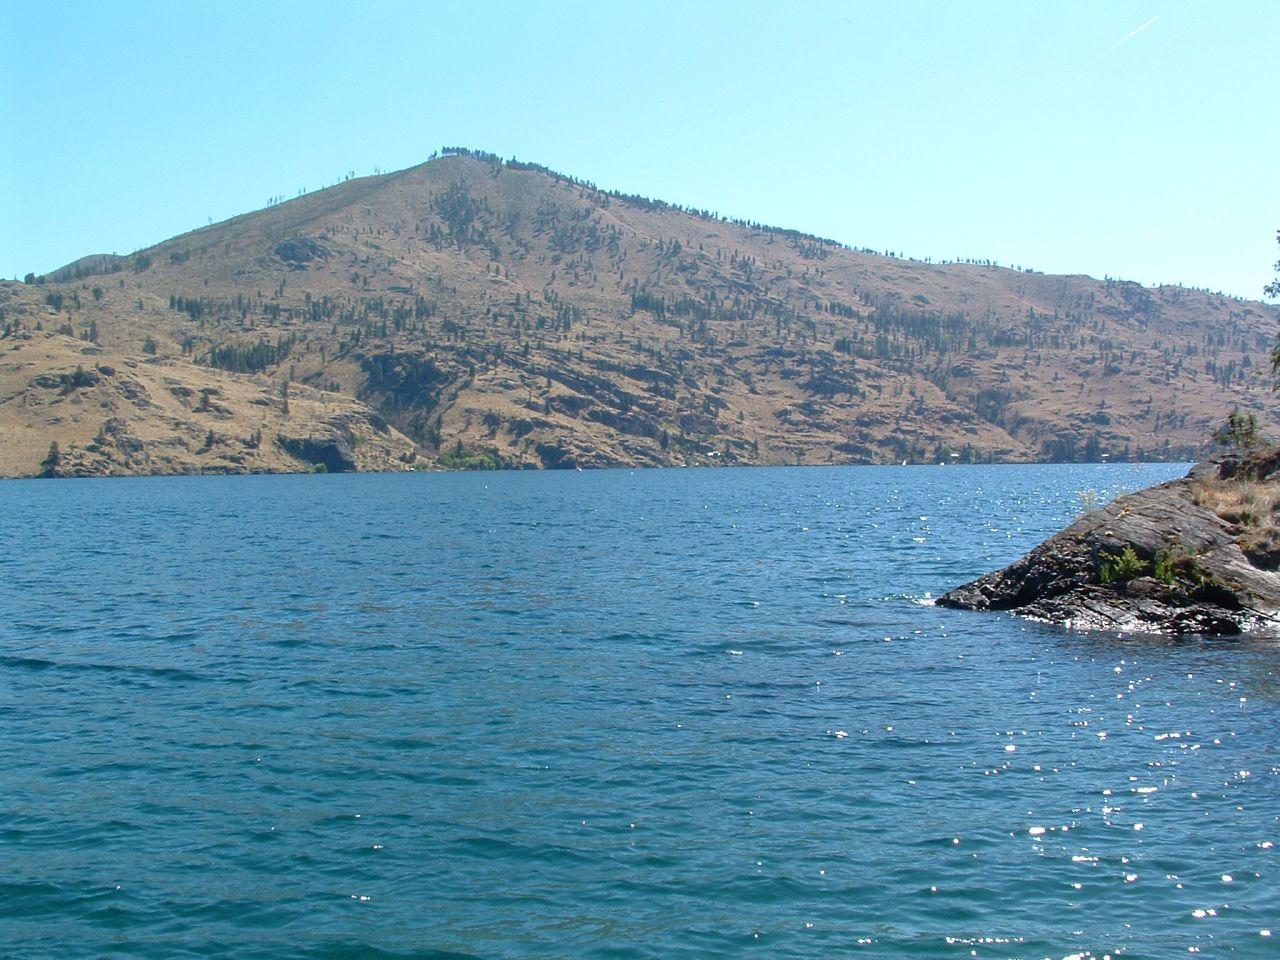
<point x="1129" y="36"/>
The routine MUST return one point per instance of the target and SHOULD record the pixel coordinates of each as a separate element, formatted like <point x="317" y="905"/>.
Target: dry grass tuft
<point x="1248" y="503"/>
<point x="1252" y="505"/>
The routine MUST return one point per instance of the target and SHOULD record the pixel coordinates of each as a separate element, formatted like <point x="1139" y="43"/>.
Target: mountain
<point x="471" y="312"/>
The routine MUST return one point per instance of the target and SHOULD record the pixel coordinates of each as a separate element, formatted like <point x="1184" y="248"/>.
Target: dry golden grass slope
<point x="469" y="312"/>
<point x="112" y="413"/>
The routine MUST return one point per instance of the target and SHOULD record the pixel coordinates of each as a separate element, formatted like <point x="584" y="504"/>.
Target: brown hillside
<point x="500" y="314"/>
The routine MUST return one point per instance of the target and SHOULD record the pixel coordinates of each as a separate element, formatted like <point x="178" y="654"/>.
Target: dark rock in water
<point x="1182" y="557"/>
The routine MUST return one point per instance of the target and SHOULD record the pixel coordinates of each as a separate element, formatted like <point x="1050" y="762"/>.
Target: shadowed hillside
<point x="474" y="313"/>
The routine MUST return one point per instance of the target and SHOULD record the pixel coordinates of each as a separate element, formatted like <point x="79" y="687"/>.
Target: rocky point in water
<point x="1196" y="555"/>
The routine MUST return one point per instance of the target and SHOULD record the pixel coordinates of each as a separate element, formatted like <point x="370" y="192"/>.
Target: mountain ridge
<point x="496" y="313"/>
<point x="378" y="179"/>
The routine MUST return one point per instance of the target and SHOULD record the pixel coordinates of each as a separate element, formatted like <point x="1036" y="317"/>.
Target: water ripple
<point x="669" y="714"/>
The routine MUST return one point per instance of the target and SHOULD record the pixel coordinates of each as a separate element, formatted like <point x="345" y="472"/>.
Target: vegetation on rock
<point x="1121" y="567"/>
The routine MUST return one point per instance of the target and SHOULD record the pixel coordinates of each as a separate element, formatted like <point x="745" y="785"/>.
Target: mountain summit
<point x="475" y="312"/>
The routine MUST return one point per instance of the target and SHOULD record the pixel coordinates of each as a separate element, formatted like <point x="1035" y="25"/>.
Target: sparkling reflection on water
<point x="614" y="714"/>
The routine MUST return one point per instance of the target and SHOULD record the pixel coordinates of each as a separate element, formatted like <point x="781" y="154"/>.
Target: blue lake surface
<point x="666" y="714"/>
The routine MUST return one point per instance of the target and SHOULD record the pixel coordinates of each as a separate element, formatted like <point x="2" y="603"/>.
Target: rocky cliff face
<point x="1195" y="555"/>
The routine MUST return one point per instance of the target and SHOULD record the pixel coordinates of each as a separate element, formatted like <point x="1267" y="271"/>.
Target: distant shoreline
<point x="606" y="469"/>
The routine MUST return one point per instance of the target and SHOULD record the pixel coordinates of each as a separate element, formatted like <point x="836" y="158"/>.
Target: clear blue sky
<point x="1014" y="131"/>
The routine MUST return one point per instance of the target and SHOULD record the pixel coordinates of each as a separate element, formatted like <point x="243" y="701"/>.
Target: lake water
<point x="610" y="714"/>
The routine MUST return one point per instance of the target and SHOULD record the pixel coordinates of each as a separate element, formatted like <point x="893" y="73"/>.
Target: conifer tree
<point x="49" y="465"/>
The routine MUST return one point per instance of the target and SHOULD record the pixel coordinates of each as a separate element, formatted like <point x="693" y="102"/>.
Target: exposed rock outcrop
<point x="300" y="250"/>
<point x="333" y="451"/>
<point x="1191" y="556"/>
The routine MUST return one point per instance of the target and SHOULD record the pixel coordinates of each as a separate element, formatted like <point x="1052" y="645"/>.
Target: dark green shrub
<point x="462" y="458"/>
<point x="1170" y="561"/>
<point x="1121" y="567"/>
<point x="1240" y="431"/>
